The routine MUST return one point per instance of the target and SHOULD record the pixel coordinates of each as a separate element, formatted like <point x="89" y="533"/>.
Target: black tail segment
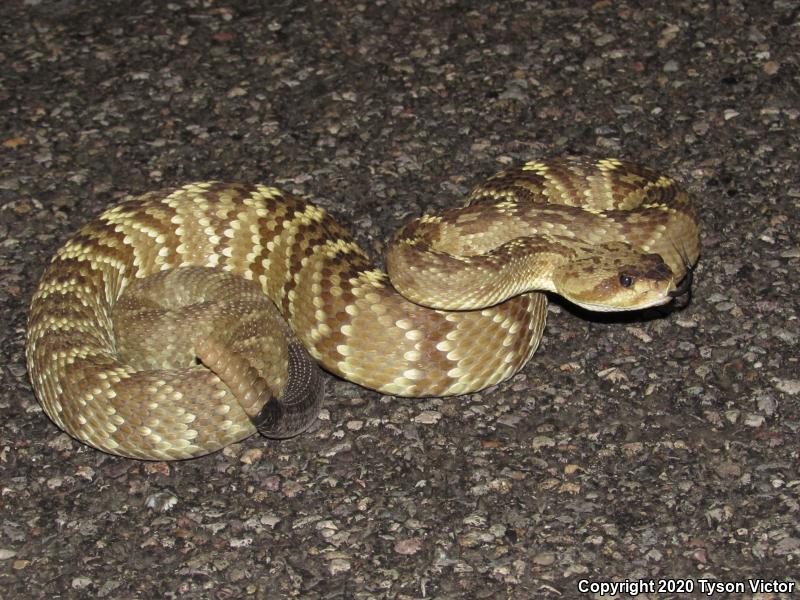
<point x="299" y="404"/>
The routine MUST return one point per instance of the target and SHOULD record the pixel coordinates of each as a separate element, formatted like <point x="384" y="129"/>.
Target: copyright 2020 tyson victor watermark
<point x="706" y="587"/>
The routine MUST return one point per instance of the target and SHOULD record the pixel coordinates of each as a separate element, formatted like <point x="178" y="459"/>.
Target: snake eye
<point x="625" y="280"/>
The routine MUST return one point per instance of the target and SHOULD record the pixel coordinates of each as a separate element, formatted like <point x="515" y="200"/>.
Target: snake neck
<point x="475" y="281"/>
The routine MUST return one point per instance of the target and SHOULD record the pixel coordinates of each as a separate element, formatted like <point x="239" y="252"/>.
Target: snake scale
<point x="183" y="320"/>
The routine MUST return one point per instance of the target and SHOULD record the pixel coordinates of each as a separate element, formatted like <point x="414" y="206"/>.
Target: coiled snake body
<point x="153" y="331"/>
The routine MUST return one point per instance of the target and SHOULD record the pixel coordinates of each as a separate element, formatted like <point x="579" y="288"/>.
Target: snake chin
<point x="645" y="301"/>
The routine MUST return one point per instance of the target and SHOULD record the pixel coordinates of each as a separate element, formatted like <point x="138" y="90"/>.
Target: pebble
<point x="754" y="420"/>
<point x="338" y="566"/>
<point x="428" y="417"/>
<point x="542" y="441"/>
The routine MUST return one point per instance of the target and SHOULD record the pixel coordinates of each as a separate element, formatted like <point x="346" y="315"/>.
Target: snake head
<point x="617" y="278"/>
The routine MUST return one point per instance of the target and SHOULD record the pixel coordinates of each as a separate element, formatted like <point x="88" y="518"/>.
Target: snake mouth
<point x="643" y="301"/>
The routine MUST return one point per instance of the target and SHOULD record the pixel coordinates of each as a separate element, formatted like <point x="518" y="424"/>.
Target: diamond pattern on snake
<point x="187" y="319"/>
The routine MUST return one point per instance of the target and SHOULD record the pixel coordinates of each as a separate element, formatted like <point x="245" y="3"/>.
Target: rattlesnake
<point x="606" y="234"/>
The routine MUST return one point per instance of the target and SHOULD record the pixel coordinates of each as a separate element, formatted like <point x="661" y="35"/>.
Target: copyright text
<point x="707" y="587"/>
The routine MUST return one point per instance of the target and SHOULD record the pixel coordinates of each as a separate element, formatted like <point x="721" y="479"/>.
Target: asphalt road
<point x="659" y="449"/>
